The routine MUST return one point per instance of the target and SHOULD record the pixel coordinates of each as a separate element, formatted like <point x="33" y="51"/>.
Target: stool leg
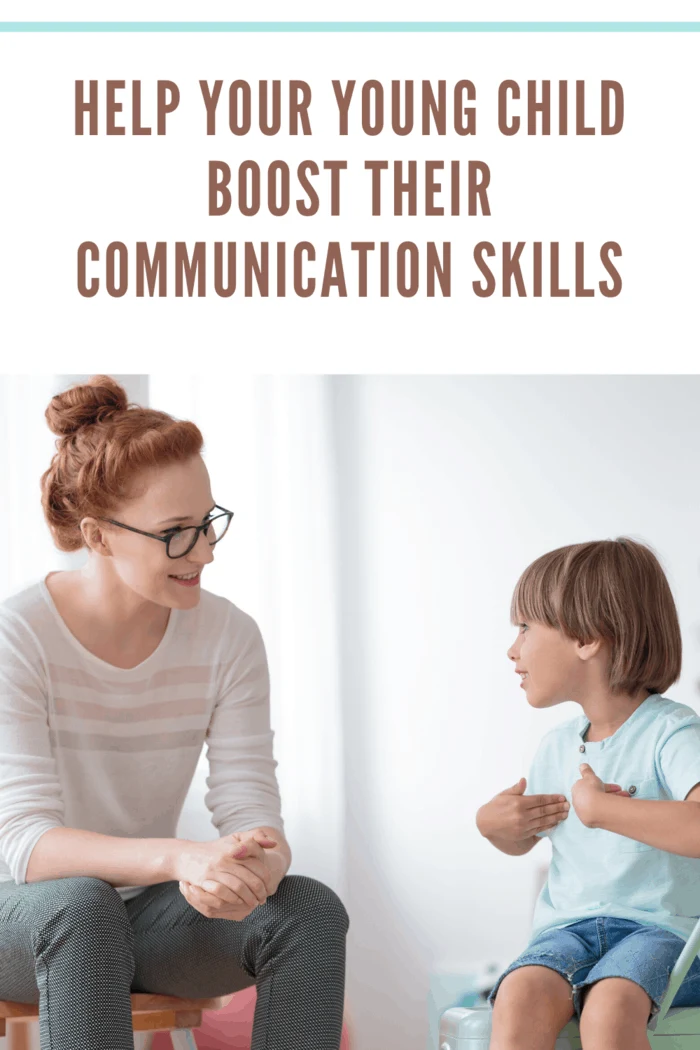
<point x="18" y="1036"/>
<point x="182" y="1039"/>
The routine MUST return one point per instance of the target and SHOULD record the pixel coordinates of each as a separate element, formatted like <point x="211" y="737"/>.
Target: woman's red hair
<point x="103" y="444"/>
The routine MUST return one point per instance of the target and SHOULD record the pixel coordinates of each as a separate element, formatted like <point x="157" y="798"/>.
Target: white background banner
<point x="635" y="189"/>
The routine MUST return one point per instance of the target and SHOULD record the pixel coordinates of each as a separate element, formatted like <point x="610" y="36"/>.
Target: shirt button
<point x="582" y="748"/>
<point x="632" y="789"/>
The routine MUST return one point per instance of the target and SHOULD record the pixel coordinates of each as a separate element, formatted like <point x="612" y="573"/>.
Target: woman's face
<point x="168" y="498"/>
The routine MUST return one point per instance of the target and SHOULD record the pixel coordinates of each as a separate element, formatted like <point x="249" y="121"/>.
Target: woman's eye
<point x="522" y="626"/>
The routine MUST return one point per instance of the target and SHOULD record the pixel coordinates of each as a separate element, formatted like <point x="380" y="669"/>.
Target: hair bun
<point x="85" y="404"/>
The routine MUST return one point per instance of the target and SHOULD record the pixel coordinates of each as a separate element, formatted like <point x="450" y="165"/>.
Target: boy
<point x="617" y="790"/>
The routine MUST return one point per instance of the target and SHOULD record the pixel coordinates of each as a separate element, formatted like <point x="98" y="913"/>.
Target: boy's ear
<point x="587" y="650"/>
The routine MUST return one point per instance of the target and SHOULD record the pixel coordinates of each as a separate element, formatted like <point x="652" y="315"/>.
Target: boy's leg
<point x="617" y="997"/>
<point x="532" y="1006"/>
<point x="533" y="999"/>
<point x="615" y="1015"/>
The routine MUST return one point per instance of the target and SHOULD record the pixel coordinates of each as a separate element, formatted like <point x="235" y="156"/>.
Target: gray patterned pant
<point x="77" y="949"/>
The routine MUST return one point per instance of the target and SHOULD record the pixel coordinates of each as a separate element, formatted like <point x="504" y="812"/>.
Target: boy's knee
<point x="527" y="981"/>
<point x="529" y="985"/>
<point x="614" y="1002"/>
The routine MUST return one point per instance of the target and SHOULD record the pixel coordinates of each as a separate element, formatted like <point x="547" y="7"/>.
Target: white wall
<point x="448" y="488"/>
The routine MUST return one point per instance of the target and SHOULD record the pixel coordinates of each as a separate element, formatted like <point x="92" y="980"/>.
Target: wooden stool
<point x="150" y="1013"/>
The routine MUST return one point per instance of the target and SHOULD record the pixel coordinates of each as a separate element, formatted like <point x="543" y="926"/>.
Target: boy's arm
<point x="668" y="825"/>
<point x="513" y="821"/>
<point x="513" y="849"/>
<point x="672" y="825"/>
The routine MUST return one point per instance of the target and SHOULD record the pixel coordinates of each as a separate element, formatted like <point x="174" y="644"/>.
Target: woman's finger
<point x="213" y="907"/>
<point x="253" y="882"/>
<point x="253" y="850"/>
<point x="266" y="841"/>
<point x="188" y="891"/>
<point x="241" y="889"/>
<point x="207" y="903"/>
<point x="258" y="869"/>
<point x="241" y="882"/>
<point x="222" y="891"/>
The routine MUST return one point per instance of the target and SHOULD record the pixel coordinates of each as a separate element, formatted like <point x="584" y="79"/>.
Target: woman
<point x="112" y="678"/>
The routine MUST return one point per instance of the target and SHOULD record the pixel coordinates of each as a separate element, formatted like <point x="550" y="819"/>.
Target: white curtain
<point x="26" y="447"/>
<point x="269" y="450"/>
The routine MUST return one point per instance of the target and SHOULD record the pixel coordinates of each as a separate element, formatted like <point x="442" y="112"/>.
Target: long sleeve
<point x="30" y="792"/>
<point x="243" y="791"/>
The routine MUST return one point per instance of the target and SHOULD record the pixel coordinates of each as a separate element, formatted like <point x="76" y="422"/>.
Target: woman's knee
<point x="309" y="899"/>
<point x="83" y="907"/>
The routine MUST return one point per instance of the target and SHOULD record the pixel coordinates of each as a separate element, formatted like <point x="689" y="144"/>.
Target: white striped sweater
<point x="84" y="744"/>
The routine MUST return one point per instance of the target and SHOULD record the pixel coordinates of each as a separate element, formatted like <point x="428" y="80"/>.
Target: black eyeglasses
<point x="180" y="541"/>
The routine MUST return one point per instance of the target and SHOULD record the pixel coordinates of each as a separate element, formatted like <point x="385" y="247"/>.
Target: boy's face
<point x="549" y="664"/>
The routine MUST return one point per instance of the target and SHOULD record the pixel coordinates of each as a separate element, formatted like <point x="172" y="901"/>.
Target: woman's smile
<point x="190" y="579"/>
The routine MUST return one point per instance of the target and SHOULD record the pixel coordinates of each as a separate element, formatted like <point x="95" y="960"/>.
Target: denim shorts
<point x="592" y="949"/>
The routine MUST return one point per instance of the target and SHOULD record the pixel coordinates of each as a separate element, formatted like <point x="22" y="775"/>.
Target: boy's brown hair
<point x="613" y="590"/>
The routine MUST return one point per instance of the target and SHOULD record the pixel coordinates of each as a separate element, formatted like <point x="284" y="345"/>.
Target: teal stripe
<point x="349" y="27"/>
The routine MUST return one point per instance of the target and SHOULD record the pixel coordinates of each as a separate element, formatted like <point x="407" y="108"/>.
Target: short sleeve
<point x="679" y="760"/>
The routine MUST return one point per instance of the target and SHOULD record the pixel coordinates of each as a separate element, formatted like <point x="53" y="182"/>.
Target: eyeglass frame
<point x="174" y="532"/>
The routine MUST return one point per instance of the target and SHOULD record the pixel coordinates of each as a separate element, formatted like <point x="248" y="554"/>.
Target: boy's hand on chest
<point x="588" y="796"/>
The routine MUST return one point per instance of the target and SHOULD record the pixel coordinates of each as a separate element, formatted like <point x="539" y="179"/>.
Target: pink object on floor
<point x="228" y="1029"/>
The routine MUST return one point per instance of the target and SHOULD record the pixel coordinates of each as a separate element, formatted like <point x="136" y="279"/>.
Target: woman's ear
<point x="587" y="650"/>
<point x="95" y="537"/>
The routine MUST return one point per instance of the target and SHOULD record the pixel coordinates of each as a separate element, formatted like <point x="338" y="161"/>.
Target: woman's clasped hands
<point x="230" y="877"/>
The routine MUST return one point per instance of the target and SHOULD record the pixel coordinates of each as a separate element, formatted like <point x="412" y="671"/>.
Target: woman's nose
<point x="204" y="549"/>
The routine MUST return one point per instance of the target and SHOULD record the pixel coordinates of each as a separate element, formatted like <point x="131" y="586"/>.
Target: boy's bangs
<point x="533" y="597"/>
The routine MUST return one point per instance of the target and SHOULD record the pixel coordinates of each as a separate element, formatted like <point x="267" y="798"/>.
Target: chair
<point x="671" y="1029"/>
<point x="150" y="1013"/>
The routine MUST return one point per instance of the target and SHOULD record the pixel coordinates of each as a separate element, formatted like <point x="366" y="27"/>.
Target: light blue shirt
<point x="655" y="754"/>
